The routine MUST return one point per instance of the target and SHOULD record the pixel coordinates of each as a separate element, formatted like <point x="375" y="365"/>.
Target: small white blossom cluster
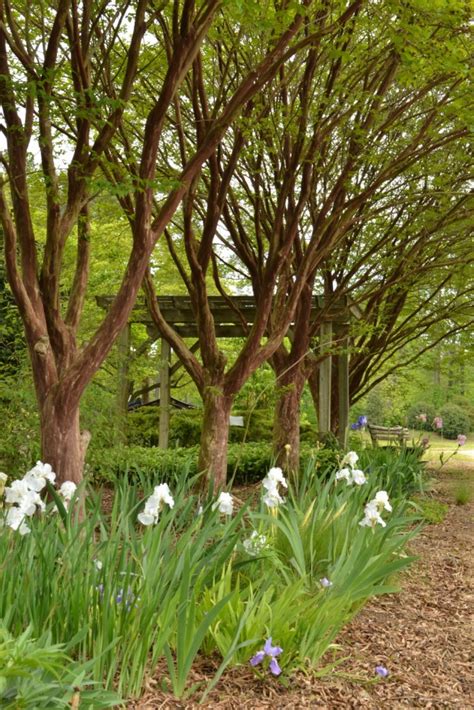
<point x="24" y="498"/>
<point x="67" y="490"/>
<point x="348" y="472"/>
<point x="154" y="504"/>
<point x="224" y="503"/>
<point x="270" y="483"/>
<point x="373" y="510"/>
<point x="255" y="544"/>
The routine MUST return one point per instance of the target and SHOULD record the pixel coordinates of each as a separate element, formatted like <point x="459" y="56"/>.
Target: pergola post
<point x="343" y="387"/>
<point x="123" y="366"/>
<point x="165" y="395"/>
<point x="324" y="409"/>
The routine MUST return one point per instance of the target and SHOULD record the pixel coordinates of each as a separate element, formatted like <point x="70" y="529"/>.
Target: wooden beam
<point x="164" y="395"/>
<point x="123" y="353"/>
<point x="343" y="388"/>
<point x="179" y="313"/>
<point x="324" y="409"/>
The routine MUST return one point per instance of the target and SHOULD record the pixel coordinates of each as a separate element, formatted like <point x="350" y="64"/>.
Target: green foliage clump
<point x="430" y="510"/>
<point x="467" y="405"/>
<point x="35" y="673"/>
<point x="455" y="421"/>
<point x="462" y="494"/>
<point x="109" y="464"/>
<point x="414" y="420"/>
<point x="143" y="425"/>
<point x="397" y="470"/>
<point x="19" y="440"/>
<point x="246" y="462"/>
<point x="258" y="425"/>
<point x="185" y="427"/>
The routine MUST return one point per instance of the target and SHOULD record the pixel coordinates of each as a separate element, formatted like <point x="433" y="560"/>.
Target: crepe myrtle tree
<point x="408" y="268"/>
<point x="377" y="127"/>
<point x="70" y="75"/>
<point x="205" y="211"/>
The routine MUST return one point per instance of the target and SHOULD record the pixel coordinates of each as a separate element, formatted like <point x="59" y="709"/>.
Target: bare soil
<point x="424" y="636"/>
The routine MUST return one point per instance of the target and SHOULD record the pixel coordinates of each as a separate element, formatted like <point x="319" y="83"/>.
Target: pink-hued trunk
<point x="214" y="438"/>
<point x="286" y="423"/>
<point x="63" y="445"/>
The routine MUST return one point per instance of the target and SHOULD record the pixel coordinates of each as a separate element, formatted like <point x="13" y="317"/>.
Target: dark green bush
<point x="143" y="426"/>
<point x="185" y="427"/>
<point x="467" y="405"/>
<point x="245" y="463"/>
<point x="413" y="416"/>
<point x="258" y="426"/>
<point x="455" y="421"/>
<point x="110" y="464"/>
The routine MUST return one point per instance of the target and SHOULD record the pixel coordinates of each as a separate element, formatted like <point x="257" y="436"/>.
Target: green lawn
<point x="438" y="446"/>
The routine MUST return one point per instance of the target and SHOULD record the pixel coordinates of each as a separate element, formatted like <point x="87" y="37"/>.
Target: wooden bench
<point x="396" y="434"/>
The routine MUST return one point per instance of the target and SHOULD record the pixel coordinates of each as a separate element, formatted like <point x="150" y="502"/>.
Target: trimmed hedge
<point x="185" y="427"/>
<point x="245" y="463"/>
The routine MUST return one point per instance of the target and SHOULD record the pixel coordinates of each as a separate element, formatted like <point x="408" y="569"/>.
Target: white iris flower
<point x="224" y="503"/>
<point x="154" y="504"/>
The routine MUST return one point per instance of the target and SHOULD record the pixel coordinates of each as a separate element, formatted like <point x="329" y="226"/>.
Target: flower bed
<point x="175" y="575"/>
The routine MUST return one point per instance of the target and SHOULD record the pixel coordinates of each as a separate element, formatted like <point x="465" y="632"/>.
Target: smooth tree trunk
<point x="63" y="444"/>
<point x="212" y="461"/>
<point x="286" y="424"/>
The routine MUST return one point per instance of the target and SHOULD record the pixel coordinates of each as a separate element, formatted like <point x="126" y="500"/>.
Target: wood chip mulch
<point x="424" y="636"/>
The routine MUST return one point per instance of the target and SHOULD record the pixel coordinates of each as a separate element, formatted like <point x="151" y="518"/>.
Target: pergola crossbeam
<point x="233" y="317"/>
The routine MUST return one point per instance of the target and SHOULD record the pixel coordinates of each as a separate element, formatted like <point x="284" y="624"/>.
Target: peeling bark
<point x="214" y="438"/>
<point x="63" y="445"/>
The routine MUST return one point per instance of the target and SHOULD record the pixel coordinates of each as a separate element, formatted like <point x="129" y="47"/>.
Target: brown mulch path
<point x="424" y="635"/>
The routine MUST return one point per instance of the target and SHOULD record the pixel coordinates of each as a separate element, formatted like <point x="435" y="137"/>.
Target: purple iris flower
<point x="129" y="598"/>
<point x="270" y="651"/>
<point x="361" y="422"/>
<point x="381" y="671"/>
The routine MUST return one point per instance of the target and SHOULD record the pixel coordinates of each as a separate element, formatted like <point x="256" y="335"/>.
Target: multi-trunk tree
<point x="209" y="209"/>
<point x="383" y="130"/>
<point x="71" y="75"/>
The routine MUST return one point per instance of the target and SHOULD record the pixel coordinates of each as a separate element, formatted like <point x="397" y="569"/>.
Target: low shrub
<point x="430" y="510"/>
<point x="258" y="426"/>
<point x="143" y="426"/>
<point x="420" y="416"/>
<point x="467" y="405"/>
<point x="246" y="463"/>
<point x="108" y="465"/>
<point x="462" y="494"/>
<point x="185" y="427"/>
<point x="455" y="421"/>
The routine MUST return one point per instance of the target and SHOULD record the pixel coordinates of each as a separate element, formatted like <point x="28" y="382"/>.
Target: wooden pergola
<point x="233" y="317"/>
